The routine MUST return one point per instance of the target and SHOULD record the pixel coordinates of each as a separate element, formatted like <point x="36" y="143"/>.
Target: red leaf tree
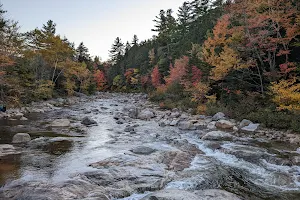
<point x="179" y="71"/>
<point x="156" y="77"/>
<point x="196" y="75"/>
<point x="100" y="79"/>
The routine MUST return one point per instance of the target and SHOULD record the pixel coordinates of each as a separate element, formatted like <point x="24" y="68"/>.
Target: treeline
<point x="240" y="57"/>
<point x="40" y="64"/>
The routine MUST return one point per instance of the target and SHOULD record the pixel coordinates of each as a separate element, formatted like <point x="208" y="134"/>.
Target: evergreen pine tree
<point x="184" y="17"/>
<point x="49" y="28"/>
<point x="82" y="53"/>
<point x="135" y="40"/>
<point x="117" y="50"/>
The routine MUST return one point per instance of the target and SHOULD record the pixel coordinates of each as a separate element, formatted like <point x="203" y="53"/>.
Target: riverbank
<point x="130" y="147"/>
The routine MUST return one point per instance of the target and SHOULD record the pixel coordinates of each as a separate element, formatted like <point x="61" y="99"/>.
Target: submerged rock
<point x="88" y="121"/>
<point x="142" y="150"/>
<point x="217" y="135"/>
<point x="21" y="138"/>
<point x="61" y="123"/>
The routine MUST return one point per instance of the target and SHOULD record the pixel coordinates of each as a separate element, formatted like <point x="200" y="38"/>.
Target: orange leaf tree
<point x="255" y="36"/>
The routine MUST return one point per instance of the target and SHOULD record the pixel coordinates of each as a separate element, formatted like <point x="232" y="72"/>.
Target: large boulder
<point x="88" y="121"/>
<point x="218" y="116"/>
<point x="224" y="124"/>
<point x="61" y="123"/>
<point x="21" y="138"/>
<point x="146" y="114"/>
<point x="217" y="135"/>
<point x="251" y="128"/>
<point x="186" y="125"/>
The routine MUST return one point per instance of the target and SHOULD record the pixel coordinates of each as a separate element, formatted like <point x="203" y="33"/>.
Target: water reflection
<point x="9" y="168"/>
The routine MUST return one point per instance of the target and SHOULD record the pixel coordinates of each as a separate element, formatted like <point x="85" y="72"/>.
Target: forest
<point x="241" y="57"/>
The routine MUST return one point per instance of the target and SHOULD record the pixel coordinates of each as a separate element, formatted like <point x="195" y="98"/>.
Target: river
<point x="99" y="162"/>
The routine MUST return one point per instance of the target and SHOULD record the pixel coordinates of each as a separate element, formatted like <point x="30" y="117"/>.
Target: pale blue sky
<point x="95" y="22"/>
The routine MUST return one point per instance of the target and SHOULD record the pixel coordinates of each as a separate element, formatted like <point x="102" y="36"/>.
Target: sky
<point x="96" y="23"/>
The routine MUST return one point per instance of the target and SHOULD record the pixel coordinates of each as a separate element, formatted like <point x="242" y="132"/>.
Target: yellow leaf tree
<point x="287" y="94"/>
<point x="218" y="50"/>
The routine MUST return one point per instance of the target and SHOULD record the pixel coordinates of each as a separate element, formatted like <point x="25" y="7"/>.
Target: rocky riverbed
<point x="122" y="147"/>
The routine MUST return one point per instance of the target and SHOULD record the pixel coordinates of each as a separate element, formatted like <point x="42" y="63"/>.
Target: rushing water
<point x="46" y="164"/>
<point x="245" y="159"/>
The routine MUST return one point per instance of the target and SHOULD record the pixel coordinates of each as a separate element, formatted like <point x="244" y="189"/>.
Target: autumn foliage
<point x="287" y="94"/>
<point x="196" y="75"/>
<point x="100" y="79"/>
<point x="156" y="77"/>
<point x="178" y="71"/>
